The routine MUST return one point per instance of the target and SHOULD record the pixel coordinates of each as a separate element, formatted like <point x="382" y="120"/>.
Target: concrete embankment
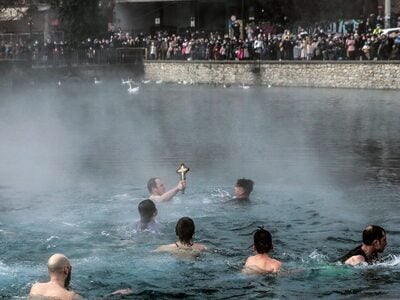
<point x="340" y="74"/>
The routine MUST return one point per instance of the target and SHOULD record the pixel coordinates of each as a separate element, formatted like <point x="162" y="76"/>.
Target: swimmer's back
<point x="51" y="291"/>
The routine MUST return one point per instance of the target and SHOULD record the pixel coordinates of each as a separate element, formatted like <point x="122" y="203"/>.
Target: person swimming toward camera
<point x="243" y="189"/>
<point x="184" y="230"/>
<point x="148" y="212"/>
<point x="262" y="261"/>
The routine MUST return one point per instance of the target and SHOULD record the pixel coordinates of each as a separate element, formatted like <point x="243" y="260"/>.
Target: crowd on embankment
<point x="342" y="40"/>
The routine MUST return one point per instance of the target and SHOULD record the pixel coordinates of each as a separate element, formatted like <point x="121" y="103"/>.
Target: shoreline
<point x="316" y="74"/>
<point x="379" y="75"/>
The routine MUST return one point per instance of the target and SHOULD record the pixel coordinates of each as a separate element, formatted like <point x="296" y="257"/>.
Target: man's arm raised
<point x="167" y="196"/>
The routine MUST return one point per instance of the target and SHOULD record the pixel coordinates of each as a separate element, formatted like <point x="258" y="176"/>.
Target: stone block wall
<point x="341" y="74"/>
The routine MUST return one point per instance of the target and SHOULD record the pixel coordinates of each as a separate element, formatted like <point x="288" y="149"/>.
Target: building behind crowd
<point x="218" y="15"/>
<point x="30" y="20"/>
<point x="175" y="16"/>
<point x="39" y="20"/>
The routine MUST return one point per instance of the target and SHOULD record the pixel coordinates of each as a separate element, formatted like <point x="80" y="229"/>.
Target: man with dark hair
<point x="59" y="269"/>
<point x="262" y="262"/>
<point x="148" y="212"/>
<point x="158" y="191"/>
<point x="243" y="188"/>
<point x="373" y="242"/>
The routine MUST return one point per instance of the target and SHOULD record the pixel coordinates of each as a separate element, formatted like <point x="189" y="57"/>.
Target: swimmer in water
<point x="261" y="262"/>
<point x="158" y="191"/>
<point x="373" y="242"/>
<point x="243" y="189"/>
<point x="58" y="287"/>
<point x="59" y="269"/>
<point x="184" y="230"/>
<point x="148" y="212"/>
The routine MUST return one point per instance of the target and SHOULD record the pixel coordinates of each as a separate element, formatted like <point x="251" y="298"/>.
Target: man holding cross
<point x="158" y="192"/>
<point x="157" y="188"/>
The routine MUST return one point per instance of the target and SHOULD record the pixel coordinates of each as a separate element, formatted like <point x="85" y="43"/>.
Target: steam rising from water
<point x="75" y="159"/>
<point x="70" y="134"/>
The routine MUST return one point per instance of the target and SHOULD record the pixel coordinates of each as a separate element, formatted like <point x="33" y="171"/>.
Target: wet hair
<point x="151" y="183"/>
<point x="146" y="209"/>
<point x="372" y="233"/>
<point x="184" y="230"/>
<point x="246" y="184"/>
<point x="262" y="241"/>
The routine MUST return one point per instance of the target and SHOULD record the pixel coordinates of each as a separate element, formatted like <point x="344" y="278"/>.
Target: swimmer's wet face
<point x="159" y="189"/>
<point x="243" y="188"/>
<point x="381" y="244"/>
<point x="239" y="191"/>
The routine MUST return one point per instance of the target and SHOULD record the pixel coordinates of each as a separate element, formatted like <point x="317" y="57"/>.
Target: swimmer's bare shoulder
<point x="72" y="296"/>
<point x="355" y="260"/>
<point x="39" y="291"/>
<point x="166" y="248"/>
<point x="155" y="198"/>
<point x="253" y="266"/>
<point x="199" y="247"/>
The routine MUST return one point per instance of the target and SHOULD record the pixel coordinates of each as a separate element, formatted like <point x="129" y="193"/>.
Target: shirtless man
<point x="184" y="230"/>
<point x="373" y="242"/>
<point x="60" y="276"/>
<point x="158" y="191"/>
<point x="262" y="262"/>
<point x="243" y="188"/>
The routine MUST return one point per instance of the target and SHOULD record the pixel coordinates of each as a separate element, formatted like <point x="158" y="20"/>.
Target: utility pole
<point x="388" y="5"/>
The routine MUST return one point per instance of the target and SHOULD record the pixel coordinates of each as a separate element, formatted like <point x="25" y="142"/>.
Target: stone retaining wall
<point x="342" y="74"/>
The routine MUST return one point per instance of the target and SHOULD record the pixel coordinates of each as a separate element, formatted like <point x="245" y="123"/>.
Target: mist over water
<point x="75" y="160"/>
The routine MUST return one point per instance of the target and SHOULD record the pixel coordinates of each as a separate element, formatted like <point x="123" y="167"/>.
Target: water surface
<point x="75" y="160"/>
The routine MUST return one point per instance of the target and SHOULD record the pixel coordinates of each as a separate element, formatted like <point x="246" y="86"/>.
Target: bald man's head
<point x="57" y="263"/>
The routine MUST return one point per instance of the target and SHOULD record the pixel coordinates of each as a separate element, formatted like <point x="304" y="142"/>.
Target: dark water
<point x="75" y="160"/>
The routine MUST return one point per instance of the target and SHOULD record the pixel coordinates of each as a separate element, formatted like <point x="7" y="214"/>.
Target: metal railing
<point x="13" y="38"/>
<point x="58" y="56"/>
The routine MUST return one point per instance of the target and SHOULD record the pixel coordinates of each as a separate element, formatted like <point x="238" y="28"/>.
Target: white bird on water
<point x="126" y="81"/>
<point x="96" y="81"/>
<point x="245" y="87"/>
<point x="132" y="90"/>
<point x="146" y="81"/>
<point x="159" y="81"/>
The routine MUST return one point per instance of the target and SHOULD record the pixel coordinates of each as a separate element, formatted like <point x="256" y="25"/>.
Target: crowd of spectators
<point x="351" y="40"/>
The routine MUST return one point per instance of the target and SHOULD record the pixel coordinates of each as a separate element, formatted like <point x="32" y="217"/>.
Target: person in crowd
<point x="184" y="245"/>
<point x="243" y="189"/>
<point x="148" y="212"/>
<point x="373" y="242"/>
<point x="340" y="45"/>
<point x="59" y="269"/>
<point x="262" y="261"/>
<point x="158" y="191"/>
